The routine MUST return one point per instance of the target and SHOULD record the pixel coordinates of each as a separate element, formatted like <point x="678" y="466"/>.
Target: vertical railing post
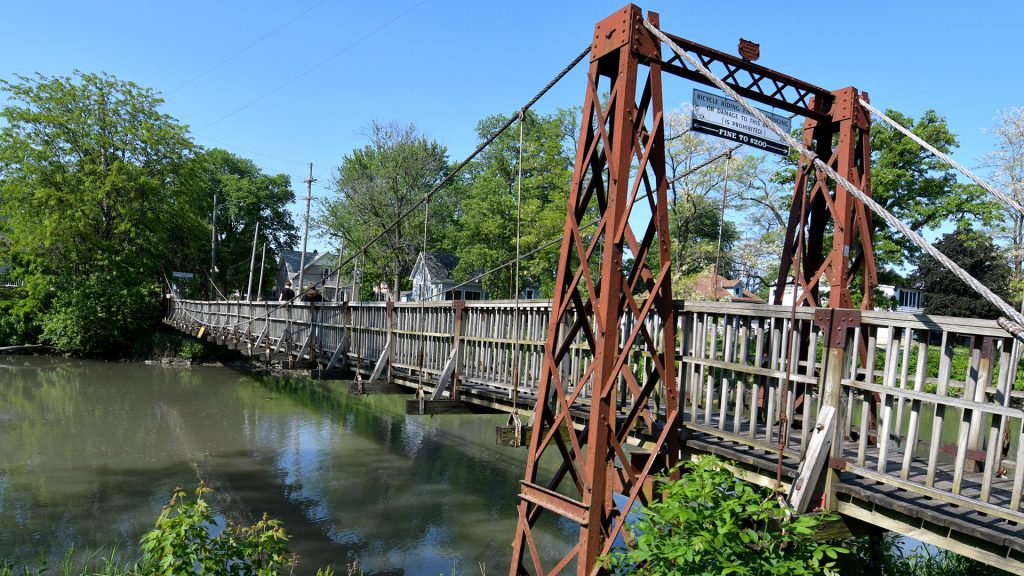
<point x="389" y="341"/>
<point x="837" y="329"/>
<point x="458" y="331"/>
<point x="346" y="330"/>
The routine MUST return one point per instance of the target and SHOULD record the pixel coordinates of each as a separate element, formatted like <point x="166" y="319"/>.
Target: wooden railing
<point x="925" y="404"/>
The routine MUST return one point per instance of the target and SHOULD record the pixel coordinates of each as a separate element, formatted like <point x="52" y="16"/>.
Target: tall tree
<point x="91" y="205"/>
<point x="915" y="186"/>
<point x="1007" y="162"/>
<point x="245" y="196"/>
<point x="946" y="294"/>
<point x="695" y="192"/>
<point x="485" y="233"/>
<point x="376" y="184"/>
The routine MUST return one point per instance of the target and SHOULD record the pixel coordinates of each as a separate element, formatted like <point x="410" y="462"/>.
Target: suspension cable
<point x="509" y="263"/>
<point x="449" y="177"/>
<point x="721" y="226"/>
<point x="849" y="186"/>
<point x="423" y="300"/>
<point x="1006" y="199"/>
<point x="514" y="417"/>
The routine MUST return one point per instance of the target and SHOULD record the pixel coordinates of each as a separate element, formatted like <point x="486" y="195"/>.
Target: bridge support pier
<point x="613" y="290"/>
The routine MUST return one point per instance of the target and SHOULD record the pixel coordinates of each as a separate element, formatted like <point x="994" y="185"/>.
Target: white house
<point x="907" y="299"/>
<point x="319" y="267"/>
<point x="432" y="280"/>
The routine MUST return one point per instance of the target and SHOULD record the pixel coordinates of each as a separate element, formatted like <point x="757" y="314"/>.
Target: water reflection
<point x="90" y="451"/>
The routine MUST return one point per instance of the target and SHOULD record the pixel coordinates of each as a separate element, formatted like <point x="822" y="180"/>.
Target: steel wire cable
<point x="548" y="244"/>
<point x="1006" y="199"/>
<point x="444" y="181"/>
<point x="913" y="236"/>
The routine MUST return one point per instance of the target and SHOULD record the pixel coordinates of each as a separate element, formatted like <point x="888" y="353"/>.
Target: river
<point x="91" y="451"/>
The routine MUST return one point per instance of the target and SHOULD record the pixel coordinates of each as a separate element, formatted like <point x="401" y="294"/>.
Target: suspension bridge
<point x="903" y="422"/>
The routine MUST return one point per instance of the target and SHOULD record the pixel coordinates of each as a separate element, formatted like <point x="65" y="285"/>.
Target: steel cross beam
<point x="751" y="80"/>
<point x="848" y="125"/>
<point x="612" y="292"/>
<point x="613" y="288"/>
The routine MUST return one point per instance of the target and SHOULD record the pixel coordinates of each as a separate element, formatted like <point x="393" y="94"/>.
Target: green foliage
<point x="99" y="311"/>
<point x="182" y="543"/>
<point x="92" y="205"/>
<point x="376" y="184"/>
<point x="17" y="324"/>
<point x="191" y="349"/>
<point x="484" y="236"/>
<point x="710" y="523"/>
<point x="946" y="294"/>
<point x="915" y="186"/>
<point x="245" y="196"/>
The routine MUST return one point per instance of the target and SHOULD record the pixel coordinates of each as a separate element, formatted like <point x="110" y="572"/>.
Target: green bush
<point x="186" y="540"/>
<point x="710" y="523"/>
<point x="190" y="349"/>
<point x="181" y="543"/>
<point x="17" y="326"/>
<point x="98" y="313"/>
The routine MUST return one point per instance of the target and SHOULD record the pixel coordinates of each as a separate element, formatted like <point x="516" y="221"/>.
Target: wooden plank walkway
<point x="947" y="387"/>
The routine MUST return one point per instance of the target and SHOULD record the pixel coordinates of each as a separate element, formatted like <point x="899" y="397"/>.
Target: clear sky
<point x="288" y="83"/>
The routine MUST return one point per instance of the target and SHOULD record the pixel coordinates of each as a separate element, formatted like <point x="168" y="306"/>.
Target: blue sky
<point x="287" y="83"/>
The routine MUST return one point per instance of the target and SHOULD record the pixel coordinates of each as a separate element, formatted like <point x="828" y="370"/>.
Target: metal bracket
<point x="834" y="322"/>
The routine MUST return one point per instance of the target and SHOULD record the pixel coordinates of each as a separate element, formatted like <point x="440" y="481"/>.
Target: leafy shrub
<point x="190" y="348"/>
<point x="181" y="543"/>
<point x="98" y="313"/>
<point x="710" y="523"/>
<point x="17" y="326"/>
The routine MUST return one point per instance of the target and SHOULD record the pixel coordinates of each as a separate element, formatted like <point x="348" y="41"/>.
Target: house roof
<point x="293" y="259"/>
<point x="323" y="259"/>
<point x="718" y="287"/>
<point x="439" y="265"/>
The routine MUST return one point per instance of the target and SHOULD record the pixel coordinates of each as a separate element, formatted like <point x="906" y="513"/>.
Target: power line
<point x="446" y="180"/>
<point x="248" y="46"/>
<point x="313" y="67"/>
<point x="250" y="151"/>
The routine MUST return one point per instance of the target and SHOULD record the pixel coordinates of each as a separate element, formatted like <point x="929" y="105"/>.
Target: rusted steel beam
<point x="848" y="124"/>
<point x="617" y="311"/>
<point x="751" y="80"/>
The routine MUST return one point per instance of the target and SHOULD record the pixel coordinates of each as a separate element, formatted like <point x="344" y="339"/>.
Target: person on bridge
<point x="312" y="295"/>
<point x="287" y="295"/>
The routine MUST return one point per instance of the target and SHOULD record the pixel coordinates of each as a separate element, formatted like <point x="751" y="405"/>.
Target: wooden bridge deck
<point x="942" y="390"/>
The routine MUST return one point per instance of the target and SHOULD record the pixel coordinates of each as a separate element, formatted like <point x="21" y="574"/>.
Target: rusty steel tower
<point x="613" y="291"/>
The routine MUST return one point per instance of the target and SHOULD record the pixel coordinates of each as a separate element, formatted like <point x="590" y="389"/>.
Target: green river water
<point x="90" y="452"/>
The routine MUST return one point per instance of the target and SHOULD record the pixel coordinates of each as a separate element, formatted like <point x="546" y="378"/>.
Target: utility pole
<point x="252" y="263"/>
<point x="337" y="271"/>
<point x="305" y="232"/>
<point x="263" y="260"/>
<point x="721" y="228"/>
<point x="213" y="241"/>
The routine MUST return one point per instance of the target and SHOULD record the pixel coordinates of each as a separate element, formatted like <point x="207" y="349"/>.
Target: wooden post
<point x="389" y="324"/>
<point x="459" y="330"/>
<point x="836" y="326"/>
